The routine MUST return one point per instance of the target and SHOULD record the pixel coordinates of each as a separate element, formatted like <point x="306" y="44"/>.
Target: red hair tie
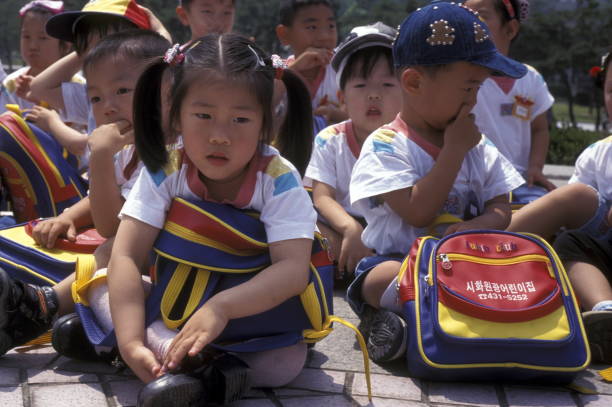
<point x="279" y="65"/>
<point x="511" y="11"/>
<point x="174" y="55"/>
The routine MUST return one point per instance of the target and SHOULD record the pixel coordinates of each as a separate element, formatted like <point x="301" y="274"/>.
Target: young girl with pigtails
<point x="221" y="105"/>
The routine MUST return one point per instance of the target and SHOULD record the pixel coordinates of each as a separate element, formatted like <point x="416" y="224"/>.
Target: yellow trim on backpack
<point x="417" y="303"/>
<point x="206" y="266"/>
<point x="311" y="305"/>
<point x="173" y="290"/>
<point x="84" y="271"/>
<point x="24" y="126"/>
<point x="226" y="225"/>
<point x="24" y="179"/>
<point x="552" y="327"/>
<point x="20" y="236"/>
<point x="191" y="236"/>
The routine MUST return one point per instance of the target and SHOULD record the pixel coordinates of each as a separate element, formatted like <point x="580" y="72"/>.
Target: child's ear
<point x="282" y="32"/>
<point x="511" y="29"/>
<point x="410" y="80"/>
<point x="182" y="15"/>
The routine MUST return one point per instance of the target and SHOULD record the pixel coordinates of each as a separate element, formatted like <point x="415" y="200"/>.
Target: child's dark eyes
<point x="94" y="99"/>
<point x="204" y="116"/>
<point x="122" y="91"/>
<point x="241" y="120"/>
<point x="389" y="85"/>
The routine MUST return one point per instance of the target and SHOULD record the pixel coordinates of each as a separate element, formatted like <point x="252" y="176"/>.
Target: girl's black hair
<point x="98" y="26"/>
<point x="606" y="61"/>
<point x="139" y="45"/>
<point x="229" y="57"/>
<point x="361" y="63"/>
<point x="64" y="47"/>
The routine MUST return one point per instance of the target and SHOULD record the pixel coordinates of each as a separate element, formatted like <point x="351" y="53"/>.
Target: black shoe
<point x="26" y="311"/>
<point x="222" y="381"/>
<point x="388" y="337"/>
<point x="598" y="326"/>
<point x="365" y="321"/>
<point x="69" y="339"/>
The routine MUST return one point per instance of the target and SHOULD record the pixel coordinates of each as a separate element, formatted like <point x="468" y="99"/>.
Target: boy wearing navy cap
<point x="371" y="94"/>
<point x="431" y="160"/>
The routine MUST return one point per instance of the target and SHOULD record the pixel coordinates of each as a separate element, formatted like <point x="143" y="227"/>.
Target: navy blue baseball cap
<point x="443" y="33"/>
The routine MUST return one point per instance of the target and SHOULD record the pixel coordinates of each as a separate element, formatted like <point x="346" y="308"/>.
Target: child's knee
<point x="264" y="366"/>
<point x="377" y="281"/>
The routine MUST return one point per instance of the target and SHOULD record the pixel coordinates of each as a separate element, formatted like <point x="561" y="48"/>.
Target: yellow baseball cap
<point x="61" y="26"/>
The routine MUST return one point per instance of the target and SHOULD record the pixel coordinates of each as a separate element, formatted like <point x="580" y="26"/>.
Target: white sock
<point x="603" y="306"/>
<point x="159" y="337"/>
<point x="99" y="303"/>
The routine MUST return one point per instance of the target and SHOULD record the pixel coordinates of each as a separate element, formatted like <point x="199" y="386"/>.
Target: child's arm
<point x="420" y="204"/>
<point x="49" y="120"/>
<point x="352" y="249"/>
<point x="497" y="215"/>
<point x="127" y="298"/>
<point x="311" y="58"/>
<point x="285" y="278"/>
<point x="47" y="85"/>
<point x="331" y="113"/>
<point x="105" y="195"/>
<point x="46" y="232"/>
<point x="539" y="150"/>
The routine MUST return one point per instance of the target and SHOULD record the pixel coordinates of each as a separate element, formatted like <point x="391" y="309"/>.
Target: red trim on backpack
<point x="406" y="286"/>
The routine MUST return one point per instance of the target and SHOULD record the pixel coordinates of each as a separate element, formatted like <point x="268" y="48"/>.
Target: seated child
<point x="370" y="91"/>
<point x="429" y="161"/>
<point x="38" y="51"/>
<point x="83" y="29"/>
<point x="512" y="112"/>
<point x="112" y="69"/>
<point x="222" y="107"/>
<point x="206" y="16"/>
<point x="585" y="203"/>
<point x="309" y="28"/>
<point x="588" y="262"/>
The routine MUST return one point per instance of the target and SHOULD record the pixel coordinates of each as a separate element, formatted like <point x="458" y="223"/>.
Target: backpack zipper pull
<point x="446" y="263"/>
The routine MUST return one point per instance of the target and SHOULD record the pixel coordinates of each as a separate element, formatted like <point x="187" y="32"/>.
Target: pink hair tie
<point x="174" y="55"/>
<point x="54" y="7"/>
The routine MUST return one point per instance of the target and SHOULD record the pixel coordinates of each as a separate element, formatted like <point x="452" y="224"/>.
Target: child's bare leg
<point x="264" y="366"/>
<point x="570" y="206"/>
<point x="377" y="281"/>
<point x="63" y="291"/>
<point x="589" y="283"/>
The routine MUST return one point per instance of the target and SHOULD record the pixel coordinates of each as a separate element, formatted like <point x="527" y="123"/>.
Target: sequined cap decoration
<point x="480" y="35"/>
<point x="441" y="33"/>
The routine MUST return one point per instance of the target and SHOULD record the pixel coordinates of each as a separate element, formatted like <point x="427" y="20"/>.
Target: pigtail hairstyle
<point x="149" y="136"/>
<point x="294" y="140"/>
<point x="217" y="57"/>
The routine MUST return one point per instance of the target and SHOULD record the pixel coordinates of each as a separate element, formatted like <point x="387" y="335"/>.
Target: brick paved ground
<point x="333" y="377"/>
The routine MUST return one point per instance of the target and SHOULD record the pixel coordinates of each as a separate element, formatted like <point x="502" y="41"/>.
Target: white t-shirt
<point x="9" y="86"/>
<point x="325" y="85"/>
<point x="77" y="107"/>
<point x="505" y="117"/>
<point x="395" y="157"/>
<point x="126" y="176"/>
<point x="594" y="168"/>
<point x="2" y="71"/>
<point x="334" y="154"/>
<point x="272" y="187"/>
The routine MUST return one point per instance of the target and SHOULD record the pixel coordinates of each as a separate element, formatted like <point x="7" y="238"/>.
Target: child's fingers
<point x="199" y="344"/>
<point x="464" y="112"/>
<point x="71" y="233"/>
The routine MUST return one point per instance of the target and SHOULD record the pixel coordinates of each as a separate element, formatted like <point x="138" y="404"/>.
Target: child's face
<point x="221" y="126"/>
<point x="501" y="33"/>
<point x="440" y="96"/>
<point x="37" y="48"/>
<point x="373" y="101"/>
<point x="207" y="16"/>
<point x="313" y="26"/>
<point x="608" y="90"/>
<point x="111" y="90"/>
